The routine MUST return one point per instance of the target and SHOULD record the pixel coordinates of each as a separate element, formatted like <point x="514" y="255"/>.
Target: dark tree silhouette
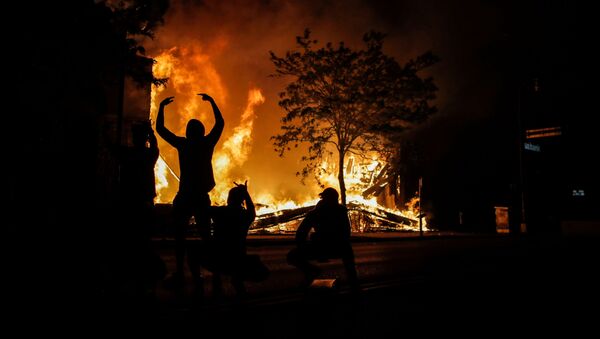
<point x="408" y="106"/>
<point x="131" y="21"/>
<point x="348" y="101"/>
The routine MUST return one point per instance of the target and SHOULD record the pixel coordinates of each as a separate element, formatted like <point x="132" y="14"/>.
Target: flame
<point x="191" y="71"/>
<point x="160" y="173"/>
<point x="235" y="149"/>
<point x="276" y="206"/>
<point x="361" y="173"/>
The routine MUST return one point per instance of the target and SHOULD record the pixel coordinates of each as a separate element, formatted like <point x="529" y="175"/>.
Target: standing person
<point x="137" y="260"/>
<point x="331" y="238"/>
<point x="137" y="186"/>
<point x="196" y="180"/>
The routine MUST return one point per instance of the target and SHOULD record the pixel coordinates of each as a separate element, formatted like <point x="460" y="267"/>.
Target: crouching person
<point x="330" y="240"/>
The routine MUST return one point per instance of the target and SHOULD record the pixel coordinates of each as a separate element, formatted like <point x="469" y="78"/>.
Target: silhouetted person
<point x="331" y="238"/>
<point x="137" y="185"/>
<point x="196" y="180"/>
<point x="137" y="191"/>
<point x="231" y="224"/>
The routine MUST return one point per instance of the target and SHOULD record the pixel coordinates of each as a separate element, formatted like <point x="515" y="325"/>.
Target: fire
<point x="360" y="175"/>
<point x="191" y="71"/>
<point x="276" y="206"/>
<point x="160" y="171"/>
<point x="236" y="148"/>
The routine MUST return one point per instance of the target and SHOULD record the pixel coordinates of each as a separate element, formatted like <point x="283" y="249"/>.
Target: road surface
<point x="494" y="280"/>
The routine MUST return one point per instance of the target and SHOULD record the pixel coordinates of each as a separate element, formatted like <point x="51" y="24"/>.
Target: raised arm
<point x="215" y="132"/>
<point x="164" y="133"/>
<point x="248" y="202"/>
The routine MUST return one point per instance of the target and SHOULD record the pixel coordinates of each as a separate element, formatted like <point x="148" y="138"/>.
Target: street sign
<point x="532" y="147"/>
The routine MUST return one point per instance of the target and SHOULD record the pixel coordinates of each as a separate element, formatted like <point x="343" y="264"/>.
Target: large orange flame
<point x="235" y="149"/>
<point x="189" y="72"/>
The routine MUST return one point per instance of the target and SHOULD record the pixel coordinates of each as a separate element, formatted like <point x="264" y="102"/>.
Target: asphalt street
<point x="506" y="282"/>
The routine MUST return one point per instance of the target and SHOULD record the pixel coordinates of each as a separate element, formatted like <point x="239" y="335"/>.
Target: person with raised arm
<point x="195" y="152"/>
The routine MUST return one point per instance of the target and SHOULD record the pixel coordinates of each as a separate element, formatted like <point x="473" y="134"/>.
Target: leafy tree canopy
<point x="348" y="101"/>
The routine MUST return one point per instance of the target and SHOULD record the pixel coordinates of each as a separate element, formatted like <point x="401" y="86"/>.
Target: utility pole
<point x="522" y="224"/>
<point x="521" y="133"/>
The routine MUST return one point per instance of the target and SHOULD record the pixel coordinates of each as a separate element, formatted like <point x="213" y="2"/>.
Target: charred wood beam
<point x="280" y="217"/>
<point x="384" y="218"/>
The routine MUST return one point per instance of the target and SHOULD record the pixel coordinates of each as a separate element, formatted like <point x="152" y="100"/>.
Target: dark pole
<point x="121" y="85"/>
<point x="523" y="224"/>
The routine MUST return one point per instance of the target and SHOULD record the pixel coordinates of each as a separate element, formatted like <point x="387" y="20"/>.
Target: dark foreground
<point x="445" y="284"/>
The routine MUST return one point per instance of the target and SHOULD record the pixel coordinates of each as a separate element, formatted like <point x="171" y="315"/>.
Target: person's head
<point x="236" y="196"/>
<point x="329" y="195"/>
<point x="194" y="130"/>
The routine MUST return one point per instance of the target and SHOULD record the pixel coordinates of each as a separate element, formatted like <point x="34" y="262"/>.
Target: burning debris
<point x="363" y="218"/>
<point x="366" y="214"/>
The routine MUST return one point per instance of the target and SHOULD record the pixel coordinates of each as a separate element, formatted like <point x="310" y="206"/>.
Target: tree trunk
<point x="341" y="177"/>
